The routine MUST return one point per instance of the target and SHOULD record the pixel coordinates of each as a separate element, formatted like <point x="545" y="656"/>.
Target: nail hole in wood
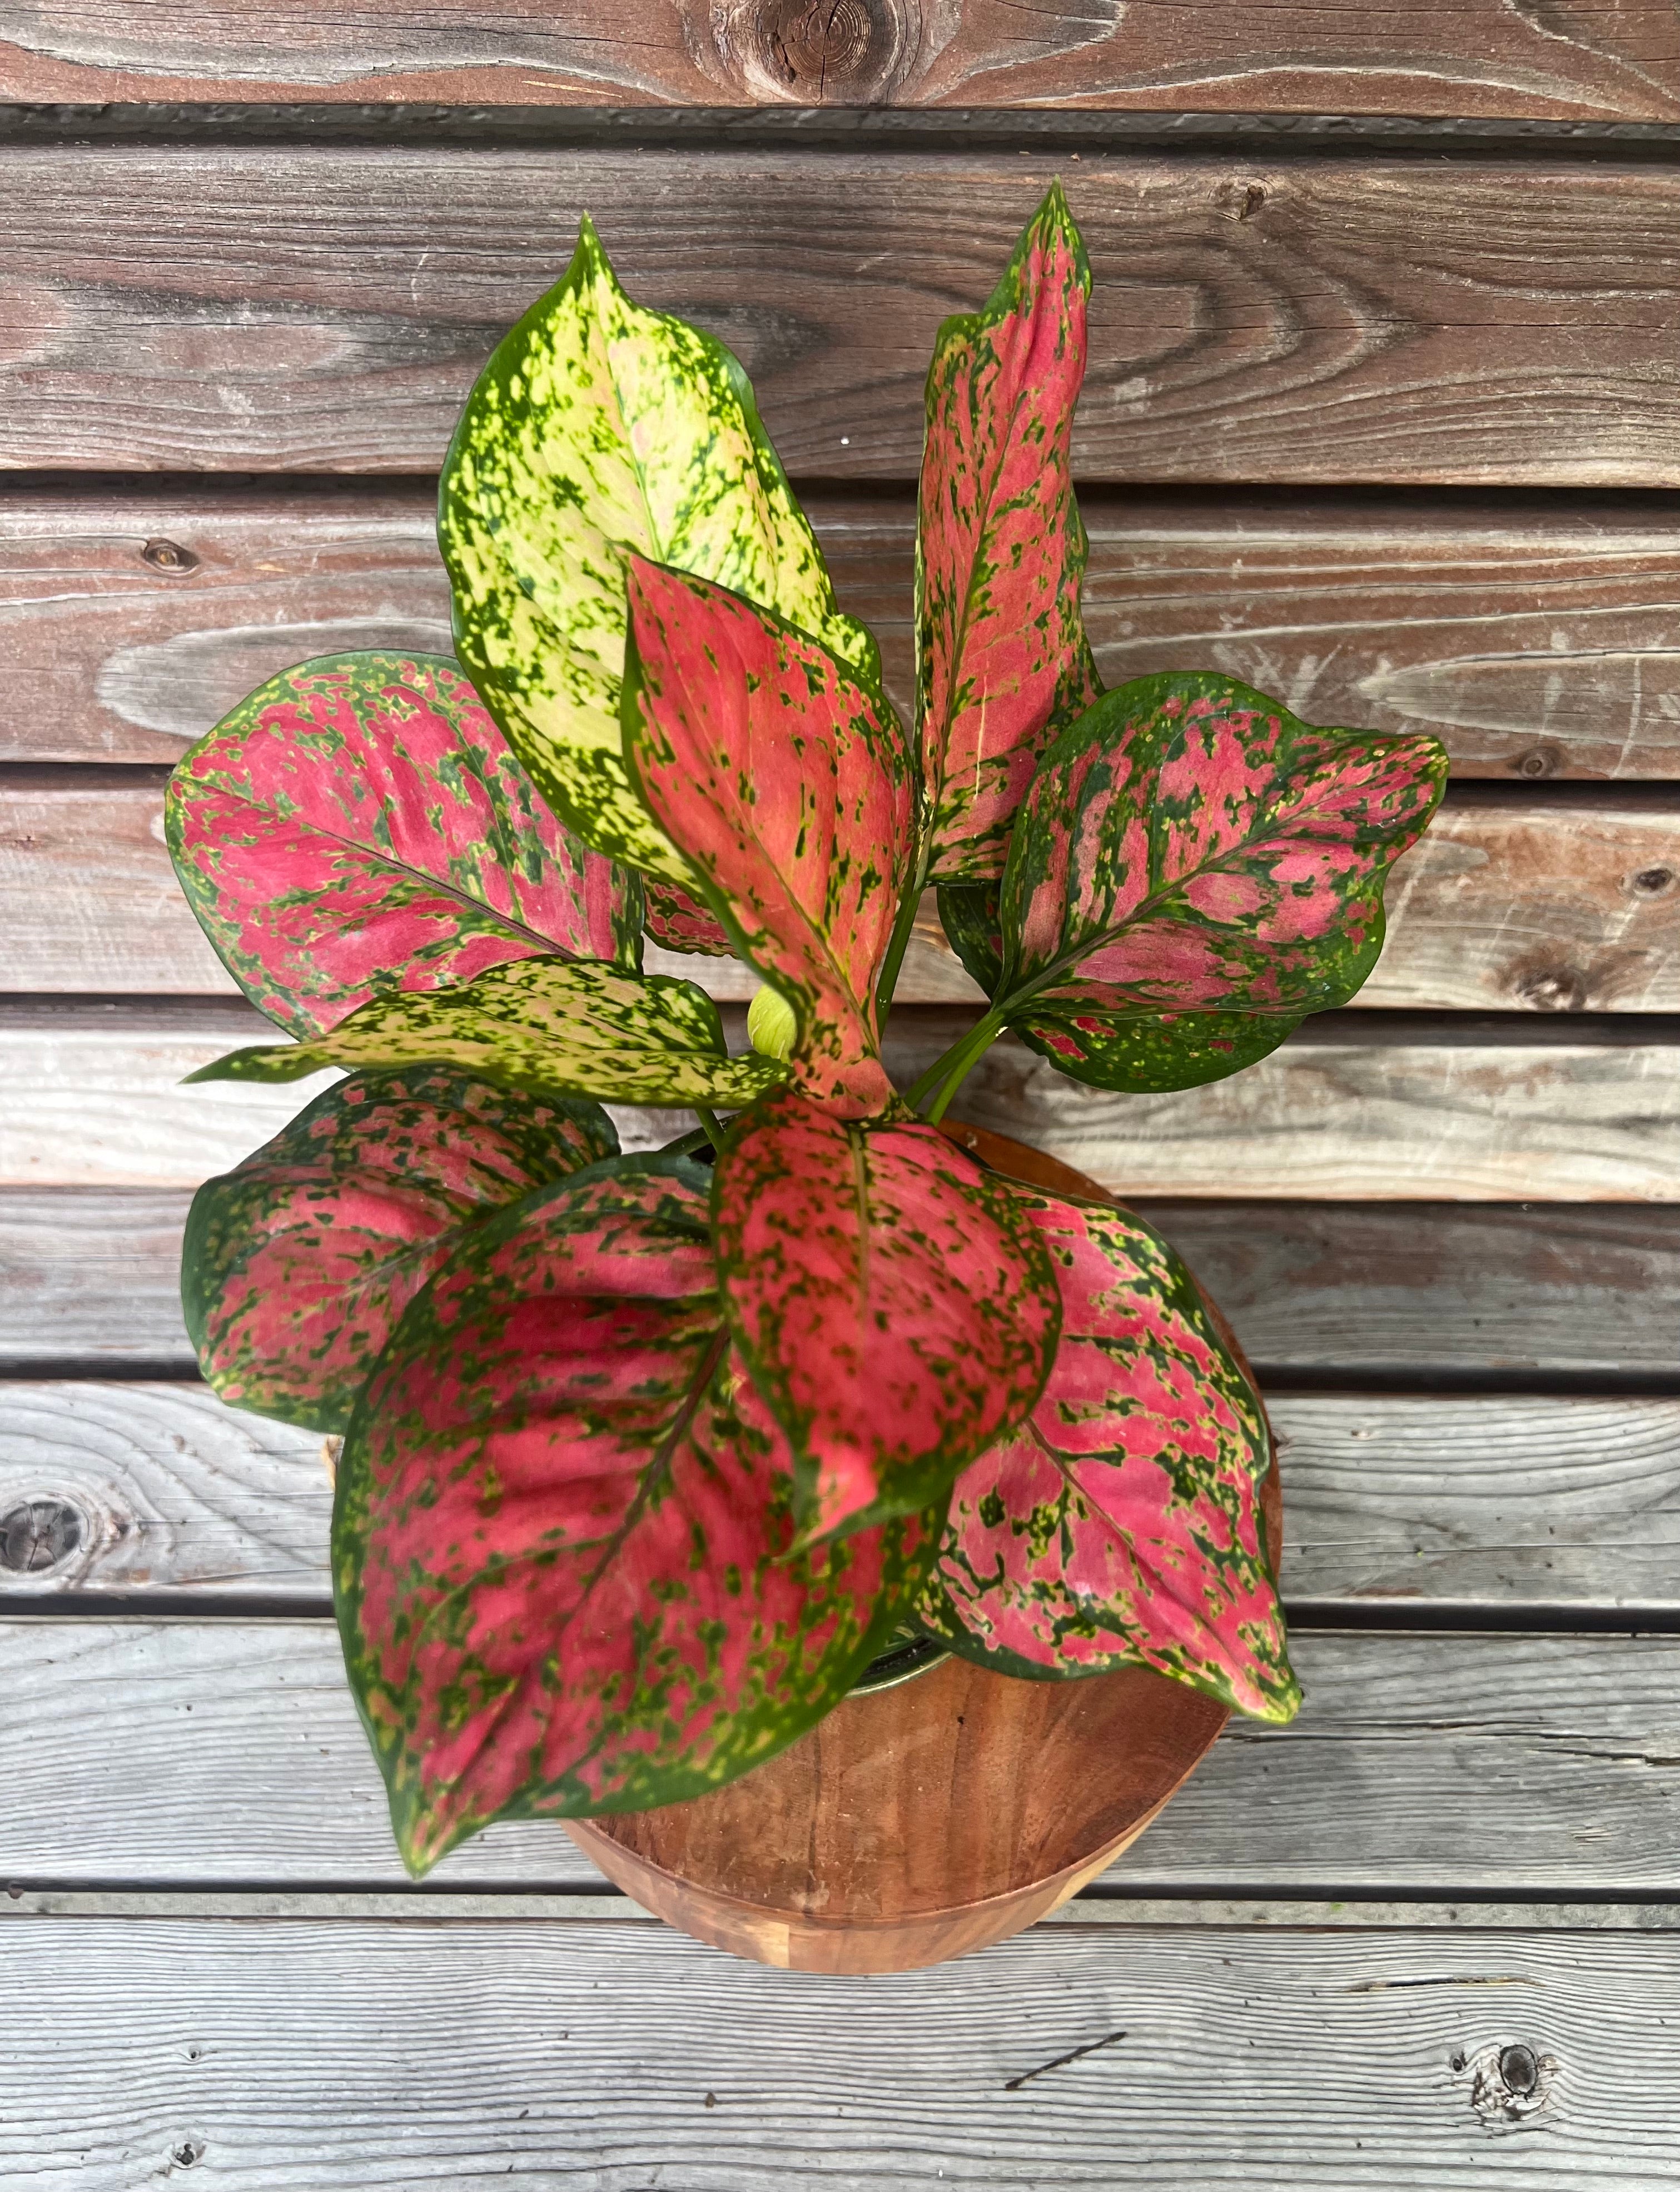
<point x="169" y="556"/>
<point x="1519" y="2067"/>
<point x="39" y="1535"/>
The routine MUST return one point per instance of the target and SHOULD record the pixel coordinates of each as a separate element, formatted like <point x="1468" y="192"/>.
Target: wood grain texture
<point x="1367" y="1291"/>
<point x="1568" y="906"/>
<point x="285" y="2055"/>
<point x="1569" y="59"/>
<point x="94" y="1099"/>
<point x="1536" y="642"/>
<point x="1501" y="1504"/>
<point x="138" y="1488"/>
<point x="90" y="1276"/>
<point x="1450" y="1763"/>
<point x="1281" y="320"/>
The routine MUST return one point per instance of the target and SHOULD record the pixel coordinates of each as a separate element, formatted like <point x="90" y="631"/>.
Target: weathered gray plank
<point x="325" y="310"/>
<point x="1569" y="905"/>
<point x="1572" y="61"/>
<point x="1369" y="1290"/>
<point x="89" y="1275"/>
<point x="138" y="1488"/>
<point x="1537" y="642"/>
<point x="284" y="2056"/>
<point x="96" y="1100"/>
<point x="1501" y="1502"/>
<point x="1440" y="1763"/>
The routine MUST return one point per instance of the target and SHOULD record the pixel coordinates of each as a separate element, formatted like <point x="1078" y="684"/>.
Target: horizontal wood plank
<point x="284" y="2055"/>
<point x="96" y="1099"/>
<point x="1499" y="1503"/>
<point x="1573" y="61"/>
<point x="1283" y="319"/>
<point x="1441" y="1762"/>
<point x="1568" y="904"/>
<point x="1538" y="642"/>
<point x="1366" y="1291"/>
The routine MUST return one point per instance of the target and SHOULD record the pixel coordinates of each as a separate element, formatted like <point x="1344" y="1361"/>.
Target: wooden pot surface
<point x="921" y="1822"/>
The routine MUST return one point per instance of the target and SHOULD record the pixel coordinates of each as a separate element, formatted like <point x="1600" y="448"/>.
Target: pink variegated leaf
<point x="1002" y="661"/>
<point x="1121" y="1523"/>
<point x="895" y="1305"/>
<point x="787" y="785"/>
<point x="359" y="826"/>
<point x="677" y="921"/>
<point x="298" y="1263"/>
<point x="563" y="1543"/>
<point x="1193" y="871"/>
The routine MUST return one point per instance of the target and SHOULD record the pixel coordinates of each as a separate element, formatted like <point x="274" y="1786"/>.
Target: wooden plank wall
<point x="1383" y="415"/>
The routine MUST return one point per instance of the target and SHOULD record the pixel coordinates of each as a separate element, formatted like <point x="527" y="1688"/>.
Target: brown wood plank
<point x="94" y="1099"/>
<point x="1498" y="1504"/>
<point x="1287" y="320"/>
<point x="1551" y="906"/>
<point x="1537" y="642"/>
<point x="1371" y="1290"/>
<point x="1569" y="60"/>
<point x="606" y="2052"/>
<point x="1427" y="1762"/>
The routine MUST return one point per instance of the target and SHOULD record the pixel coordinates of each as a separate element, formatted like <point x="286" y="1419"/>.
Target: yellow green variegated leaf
<point x="558" y="1027"/>
<point x="599" y="426"/>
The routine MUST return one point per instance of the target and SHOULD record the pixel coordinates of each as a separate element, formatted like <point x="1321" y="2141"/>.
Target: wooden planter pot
<point x="918" y="1823"/>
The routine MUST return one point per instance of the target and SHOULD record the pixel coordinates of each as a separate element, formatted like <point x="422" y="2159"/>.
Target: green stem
<point x="897" y="945"/>
<point x="948" y="1071"/>
<point x="709" y="1120"/>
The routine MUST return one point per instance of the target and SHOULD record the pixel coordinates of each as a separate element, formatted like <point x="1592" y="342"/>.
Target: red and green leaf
<point x="893" y="1302"/>
<point x="1004" y="663"/>
<point x="298" y="1263"/>
<point x="788" y="785"/>
<point x="360" y="826"/>
<point x="678" y="921"/>
<point x="598" y="426"/>
<point x="1121" y="1523"/>
<point x="557" y="1027"/>
<point x="563" y="1543"/>
<point x="1192" y="872"/>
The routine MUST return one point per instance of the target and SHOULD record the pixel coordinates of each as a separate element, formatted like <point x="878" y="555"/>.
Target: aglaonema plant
<point x="645" y="1456"/>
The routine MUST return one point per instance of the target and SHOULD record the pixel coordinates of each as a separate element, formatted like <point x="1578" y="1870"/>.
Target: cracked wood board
<point x="1367" y="1291"/>
<point x="1440" y="1764"/>
<point x="1346" y="1113"/>
<point x="1570" y="61"/>
<point x="614" y="2054"/>
<point x="1567" y="903"/>
<point x="1270" y="320"/>
<point x="1537" y="643"/>
<point x="1501" y="1504"/>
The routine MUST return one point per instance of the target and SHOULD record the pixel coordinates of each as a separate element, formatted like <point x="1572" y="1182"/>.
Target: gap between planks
<point x="1103" y="1908"/>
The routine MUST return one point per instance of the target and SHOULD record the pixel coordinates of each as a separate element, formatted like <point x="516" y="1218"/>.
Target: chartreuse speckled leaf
<point x="787" y="784"/>
<point x="596" y="427"/>
<point x="1002" y="661"/>
<point x="1121" y="1523"/>
<point x="563" y="1542"/>
<point x="359" y="825"/>
<point x="298" y="1264"/>
<point x="894" y="1303"/>
<point x="557" y="1027"/>
<point x="1192" y="872"/>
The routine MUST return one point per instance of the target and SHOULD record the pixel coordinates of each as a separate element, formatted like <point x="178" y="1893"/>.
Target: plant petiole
<point x="713" y="1126"/>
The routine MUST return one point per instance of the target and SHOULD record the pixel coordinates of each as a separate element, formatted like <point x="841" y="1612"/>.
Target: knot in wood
<point x="38" y="1535"/>
<point x="1511" y="2082"/>
<point x="817" y="53"/>
<point x="169" y="556"/>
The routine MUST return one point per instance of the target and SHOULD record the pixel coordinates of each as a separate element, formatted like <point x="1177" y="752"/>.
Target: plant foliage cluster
<point x="646" y="1455"/>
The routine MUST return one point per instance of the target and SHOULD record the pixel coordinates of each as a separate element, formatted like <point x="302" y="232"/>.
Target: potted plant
<point x="648" y="1457"/>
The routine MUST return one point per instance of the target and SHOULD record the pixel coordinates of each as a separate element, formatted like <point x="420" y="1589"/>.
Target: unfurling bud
<point x="770" y="1024"/>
